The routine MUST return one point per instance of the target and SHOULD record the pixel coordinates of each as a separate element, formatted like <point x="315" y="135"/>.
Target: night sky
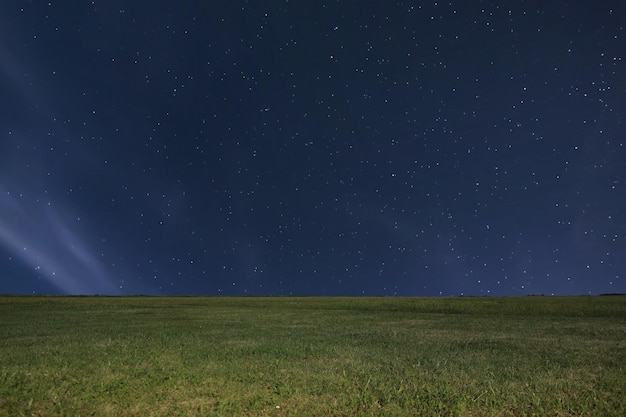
<point x="313" y="147"/>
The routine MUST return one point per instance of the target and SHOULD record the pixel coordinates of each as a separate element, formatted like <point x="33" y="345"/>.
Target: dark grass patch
<point x="194" y="356"/>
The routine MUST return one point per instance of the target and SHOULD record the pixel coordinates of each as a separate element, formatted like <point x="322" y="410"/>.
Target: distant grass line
<point x="312" y="356"/>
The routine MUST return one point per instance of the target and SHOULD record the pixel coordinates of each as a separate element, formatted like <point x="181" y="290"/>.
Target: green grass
<point x="193" y="356"/>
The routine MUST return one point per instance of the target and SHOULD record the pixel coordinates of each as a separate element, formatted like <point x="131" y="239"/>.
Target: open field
<point x="193" y="356"/>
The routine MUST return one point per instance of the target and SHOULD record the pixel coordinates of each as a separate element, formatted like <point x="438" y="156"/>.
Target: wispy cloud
<point x="39" y="236"/>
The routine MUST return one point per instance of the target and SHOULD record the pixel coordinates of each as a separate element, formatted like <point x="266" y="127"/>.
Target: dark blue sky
<point x="325" y="148"/>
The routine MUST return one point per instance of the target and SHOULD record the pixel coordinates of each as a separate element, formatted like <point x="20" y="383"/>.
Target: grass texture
<point x="299" y="356"/>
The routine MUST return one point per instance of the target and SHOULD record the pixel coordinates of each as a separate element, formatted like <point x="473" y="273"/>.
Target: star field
<point x="324" y="148"/>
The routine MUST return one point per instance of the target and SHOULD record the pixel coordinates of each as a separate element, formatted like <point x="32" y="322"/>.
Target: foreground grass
<point x="141" y="356"/>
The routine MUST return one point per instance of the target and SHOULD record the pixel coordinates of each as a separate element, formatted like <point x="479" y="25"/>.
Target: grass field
<point x="219" y="356"/>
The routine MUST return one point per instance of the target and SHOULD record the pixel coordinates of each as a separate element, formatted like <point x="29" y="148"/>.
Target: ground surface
<point x="141" y="356"/>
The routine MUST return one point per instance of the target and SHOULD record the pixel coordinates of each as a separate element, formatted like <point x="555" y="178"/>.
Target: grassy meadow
<point x="299" y="356"/>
